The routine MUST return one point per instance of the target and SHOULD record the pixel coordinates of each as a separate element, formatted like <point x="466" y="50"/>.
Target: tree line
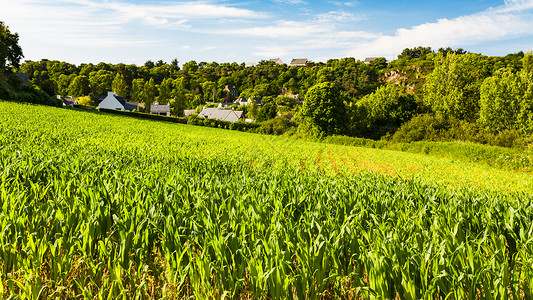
<point x="423" y="94"/>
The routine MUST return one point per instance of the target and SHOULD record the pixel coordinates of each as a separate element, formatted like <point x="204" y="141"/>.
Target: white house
<point x="113" y="101"/>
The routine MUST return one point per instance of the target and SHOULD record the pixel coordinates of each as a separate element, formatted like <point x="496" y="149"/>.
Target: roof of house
<point x="370" y="59"/>
<point x="126" y="104"/>
<point x="299" y="62"/>
<point x="277" y="60"/>
<point x="239" y="113"/>
<point x="189" y="112"/>
<point x="68" y="101"/>
<point x="130" y="105"/>
<point x="219" y="114"/>
<point x="159" y="108"/>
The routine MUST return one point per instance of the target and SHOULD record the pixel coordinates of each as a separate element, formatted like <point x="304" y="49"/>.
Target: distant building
<point x="370" y="59"/>
<point x="243" y="101"/>
<point x="160" y="109"/>
<point x="225" y="105"/>
<point x="277" y="61"/>
<point x="68" y="101"/>
<point x="250" y="64"/>
<point x="299" y="62"/>
<point x="219" y="114"/>
<point x="113" y="101"/>
<point x="232" y="91"/>
<point x="189" y="112"/>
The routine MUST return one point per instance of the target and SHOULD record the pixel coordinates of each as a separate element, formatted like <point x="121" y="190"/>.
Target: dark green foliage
<point x="266" y="112"/>
<point x="10" y="51"/>
<point x="324" y="109"/>
<point x="278" y="125"/>
<point x="144" y="115"/>
<point x="429" y="127"/>
<point x="240" y="126"/>
<point x="418" y="52"/>
<point x="17" y="92"/>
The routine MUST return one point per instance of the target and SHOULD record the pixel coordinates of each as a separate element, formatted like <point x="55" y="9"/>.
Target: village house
<point x="232" y="91"/>
<point x="160" y="109"/>
<point x="68" y="101"/>
<point x="277" y="61"/>
<point x="219" y="114"/>
<point x="299" y="62"/>
<point x="370" y="59"/>
<point x="113" y="101"/>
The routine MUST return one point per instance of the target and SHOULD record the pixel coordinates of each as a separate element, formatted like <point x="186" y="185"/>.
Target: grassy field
<point x="102" y="206"/>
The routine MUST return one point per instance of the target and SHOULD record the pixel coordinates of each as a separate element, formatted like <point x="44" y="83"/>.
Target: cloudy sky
<point x="134" y="31"/>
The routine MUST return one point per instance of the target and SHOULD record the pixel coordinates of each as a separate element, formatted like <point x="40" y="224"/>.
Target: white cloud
<point x="281" y="29"/>
<point x="290" y="2"/>
<point x="272" y="51"/>
<point x="338" y="17"/>
<point x="510" y="20"/>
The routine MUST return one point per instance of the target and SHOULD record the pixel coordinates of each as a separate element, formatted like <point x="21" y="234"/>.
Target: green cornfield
<point x="97" y="206"/>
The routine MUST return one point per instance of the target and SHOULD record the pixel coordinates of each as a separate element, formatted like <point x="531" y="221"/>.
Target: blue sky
<point x="134" y="31"/>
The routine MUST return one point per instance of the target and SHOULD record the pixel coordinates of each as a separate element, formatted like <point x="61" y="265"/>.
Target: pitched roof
<point x="277" y="60"/>
<point x="159" y="108"/>
<point x="68" y="101"/>
<point x="130" y="105"/>
<point x="299" y="62"/>
<point x="370" y="59"/>
<point x="224" y="115"/>
<point x="188" y="112"/>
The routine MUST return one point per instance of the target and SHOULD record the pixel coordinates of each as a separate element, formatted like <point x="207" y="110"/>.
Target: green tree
<point x="79" y="86"/>
<point x="507" y="100"/>
<point x="381" y="112"/>
<point x="100" y="82"/>
<point x="267" y="112"/>
<point x="418" y="52"/>
<point x="210" y="90"/>
<point x="119" y="85"/>
<point x="452" y="89"/>
<point x="137" y="86"/>
<point x="148" y="94"/>
<point x="10" y="51"/>
<point x="324" y="109"/>
<point x="63" y="83"/>
<point x="165" y="91"/>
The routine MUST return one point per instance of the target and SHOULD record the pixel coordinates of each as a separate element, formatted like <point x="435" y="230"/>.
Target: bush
<point x="354" y="141"/>
<point x="240" y="125"/>
<point x="13" y="90"/>
<point x="277" y="126"/>
<point x="144" y="115"/>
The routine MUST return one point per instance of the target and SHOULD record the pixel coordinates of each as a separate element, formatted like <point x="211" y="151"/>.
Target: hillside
<point x="121" y="207"/>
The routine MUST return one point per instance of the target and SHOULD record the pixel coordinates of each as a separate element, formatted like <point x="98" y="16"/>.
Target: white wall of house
<point x="111" y="102"/>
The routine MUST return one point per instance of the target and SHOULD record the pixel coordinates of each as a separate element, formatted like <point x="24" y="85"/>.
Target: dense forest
<point x="424" y="94"/>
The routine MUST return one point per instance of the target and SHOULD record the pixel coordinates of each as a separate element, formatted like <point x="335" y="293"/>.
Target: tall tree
<point x="119" y="86"/>
<point x="324" y="109"/>
<point x="10" y="51"/>
<point x="148" y="94"/>
<point x="267" y="112"/>
<point x="79" y="86"/>
<point x="165" y="91"/>
<point x="137" y="86"/>
<point x="507" y="100"/>
<point x="100" y="83"/>
<point x="452" y="89"/>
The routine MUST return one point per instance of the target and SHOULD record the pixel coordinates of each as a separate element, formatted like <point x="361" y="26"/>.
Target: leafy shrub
<point x="13" y="90"/>
<point x="143" y="115"/>
<point x="277" y="126"/>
